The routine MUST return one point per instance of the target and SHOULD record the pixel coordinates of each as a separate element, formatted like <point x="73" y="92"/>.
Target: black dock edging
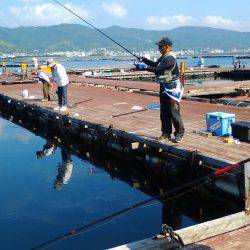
<point x="235" y="74"/>
<point x="159" y="157"/>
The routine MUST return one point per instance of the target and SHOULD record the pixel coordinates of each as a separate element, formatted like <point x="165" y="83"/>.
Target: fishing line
<point x="91" y="25"/>
<point x="198" y="182"/>
<point x="53" y="242"/>
<point x="94" y="227"/>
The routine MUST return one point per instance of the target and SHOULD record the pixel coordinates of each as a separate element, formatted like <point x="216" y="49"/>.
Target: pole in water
<point x="91" y="25"/>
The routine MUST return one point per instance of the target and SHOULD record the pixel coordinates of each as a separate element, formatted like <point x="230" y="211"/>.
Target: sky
<point x="145" y="14"/>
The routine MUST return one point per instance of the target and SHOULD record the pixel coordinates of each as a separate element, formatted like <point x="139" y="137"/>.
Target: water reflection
<point x="64" y="170"/>
<point x="65" y="167"/>
<point x="171" y="215"/>
<point x="175" y="211"/>
<point x="48" y="149"/>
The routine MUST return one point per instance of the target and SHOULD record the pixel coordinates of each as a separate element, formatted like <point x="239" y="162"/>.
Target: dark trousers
<point x="170" y="114"/>
<point x="47" y="91"/>
<point x="62" y="95"/>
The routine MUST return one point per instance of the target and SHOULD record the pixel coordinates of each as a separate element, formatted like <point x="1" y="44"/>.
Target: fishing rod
<point x="149" y="107"/>
<point x="77" y="103"/>
<point x="198" y="181"/>
<point x="91" y="25"/>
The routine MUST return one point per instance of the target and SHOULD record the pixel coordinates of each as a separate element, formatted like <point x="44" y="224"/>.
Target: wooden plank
<point x="238" y="239"/>
<point x="194" y="233"/>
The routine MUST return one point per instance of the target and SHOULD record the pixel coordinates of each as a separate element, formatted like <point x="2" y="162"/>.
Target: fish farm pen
<point x="101" y="123"/>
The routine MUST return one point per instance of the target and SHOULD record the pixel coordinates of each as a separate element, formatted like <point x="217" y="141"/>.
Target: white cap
<point x="51" y="63"/>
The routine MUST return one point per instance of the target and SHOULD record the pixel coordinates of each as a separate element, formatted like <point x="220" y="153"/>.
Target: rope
<point x="167" y="230"/>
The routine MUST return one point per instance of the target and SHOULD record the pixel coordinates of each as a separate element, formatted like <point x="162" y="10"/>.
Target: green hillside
<point x="78" y="37"/>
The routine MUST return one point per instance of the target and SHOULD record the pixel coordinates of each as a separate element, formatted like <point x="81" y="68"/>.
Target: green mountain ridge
<point x="75" y="37"/>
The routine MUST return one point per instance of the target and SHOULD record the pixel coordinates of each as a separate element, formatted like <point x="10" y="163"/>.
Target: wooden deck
<point x="226" y="233"/>
<point x="235" y="240"/>
<point x="106" y="103"/>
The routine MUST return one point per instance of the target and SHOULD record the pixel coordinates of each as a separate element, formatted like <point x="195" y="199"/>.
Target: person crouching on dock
<point x="60" y="77"/>
<point x="171" y="90"/>
<point x="45" y="79"/>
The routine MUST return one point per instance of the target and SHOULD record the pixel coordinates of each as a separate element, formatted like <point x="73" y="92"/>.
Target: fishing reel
<point x="139" y="64"/>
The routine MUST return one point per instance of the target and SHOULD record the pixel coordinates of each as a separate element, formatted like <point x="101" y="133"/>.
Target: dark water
<point x="46" y="197"/>
<point x="32" y="211"/>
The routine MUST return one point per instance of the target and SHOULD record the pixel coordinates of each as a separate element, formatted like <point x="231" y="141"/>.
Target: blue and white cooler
<point x="219" y="123"/>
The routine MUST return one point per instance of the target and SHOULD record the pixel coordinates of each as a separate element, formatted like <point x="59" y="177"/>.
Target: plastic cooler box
<point x="219" y="123"/>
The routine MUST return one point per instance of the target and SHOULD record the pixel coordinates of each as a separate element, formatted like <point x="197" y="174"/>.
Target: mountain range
<point x="75" y="37"/>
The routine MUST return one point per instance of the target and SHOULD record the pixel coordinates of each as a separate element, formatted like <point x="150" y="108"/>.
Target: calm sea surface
<point x="45" y="197"/>
<point x="33" y="211"/>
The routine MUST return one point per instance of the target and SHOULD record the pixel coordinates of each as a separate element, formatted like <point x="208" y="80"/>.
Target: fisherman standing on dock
<point x="171" y="90"/>
<point x="35" y="61"/>
<point x="59" y="75"/>
<point x="201" y="62"/>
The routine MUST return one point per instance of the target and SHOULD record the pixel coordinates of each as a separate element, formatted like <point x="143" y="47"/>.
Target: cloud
<point x="169" y="21"/>
<point x="29" y="1"/>
<point x="114" y="10"/>
<point x="41" y="14"/>
<point x="220" y="22"/>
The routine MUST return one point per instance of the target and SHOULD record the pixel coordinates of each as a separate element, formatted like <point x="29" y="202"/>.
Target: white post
<point x="247" y="187"/>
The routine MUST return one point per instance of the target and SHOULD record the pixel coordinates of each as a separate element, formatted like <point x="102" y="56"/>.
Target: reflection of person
<point x="171" y="216"/>
<point x="171" y="90"/>
<point x="60" y="77"/>
<point x="48" y="149"/>
<point x="45" y="79"/>
<point x="64" y="170"/>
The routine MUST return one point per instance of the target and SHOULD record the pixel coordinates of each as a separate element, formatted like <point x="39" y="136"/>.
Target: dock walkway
<point x="106" y="103"/>
<point x="90" y="106"/>
<point x="235" y="240"/>
<point x="226" y="233"/>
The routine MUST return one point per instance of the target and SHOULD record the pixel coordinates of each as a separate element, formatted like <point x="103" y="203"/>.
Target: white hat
<point x="51" y="63"/>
